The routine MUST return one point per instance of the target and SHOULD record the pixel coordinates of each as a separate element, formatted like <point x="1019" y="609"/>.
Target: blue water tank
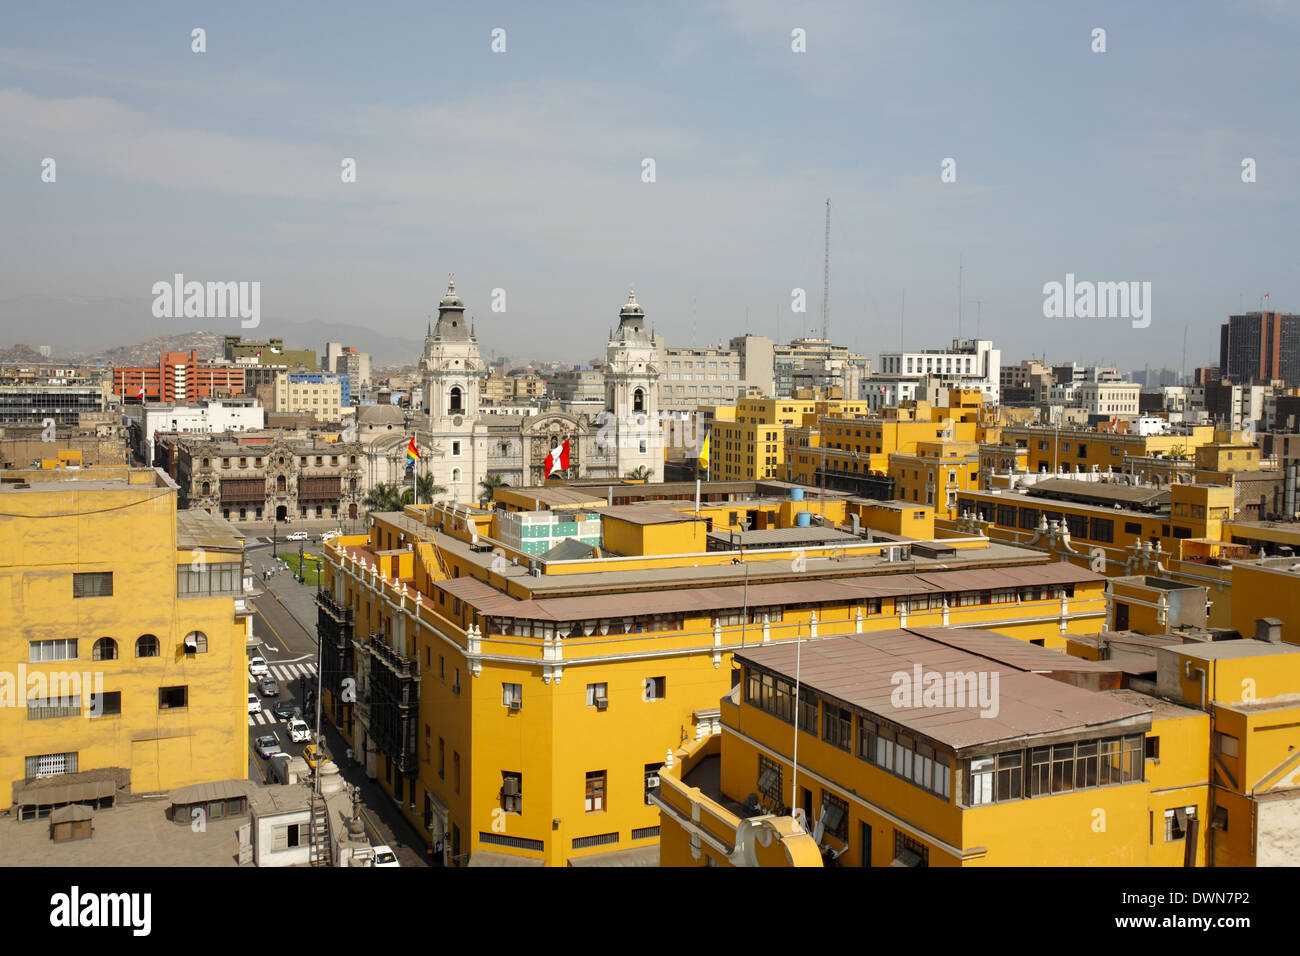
<point x="796" y="494"/>
<point x="804" y="519"/>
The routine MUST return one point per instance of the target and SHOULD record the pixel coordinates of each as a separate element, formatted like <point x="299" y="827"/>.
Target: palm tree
<point x="488" y="487"/>
<point x="1178" y="453"/>
<point x="641" y="473"/>
<point x="427" y="489"/>
<point x="384" y="497"/>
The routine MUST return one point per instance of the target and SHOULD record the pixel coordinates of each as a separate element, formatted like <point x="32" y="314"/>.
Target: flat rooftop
<point x="860" y="670"/>
<point x="1228" y="650"/>
<point x="198" y="530"/>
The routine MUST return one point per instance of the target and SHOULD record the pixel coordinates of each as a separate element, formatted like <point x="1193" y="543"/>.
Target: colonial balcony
<point x="394" y="701"/>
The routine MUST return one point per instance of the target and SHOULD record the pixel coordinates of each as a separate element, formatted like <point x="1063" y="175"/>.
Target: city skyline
<point x="523" y="171"/>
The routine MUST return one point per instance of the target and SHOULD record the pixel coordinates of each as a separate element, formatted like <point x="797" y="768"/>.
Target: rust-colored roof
<point x="489" y="600"/>
<point x="863" y="670"/>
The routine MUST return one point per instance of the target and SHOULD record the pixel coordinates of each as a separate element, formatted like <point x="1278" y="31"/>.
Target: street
<point x="284" y="622"/>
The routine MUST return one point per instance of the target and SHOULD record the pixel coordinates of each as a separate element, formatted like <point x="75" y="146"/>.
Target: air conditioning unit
<point x="652" y="781"/>
<point x="602" y="703"/>
<point x="511" y="787"/>
<point x="516" y="703"/>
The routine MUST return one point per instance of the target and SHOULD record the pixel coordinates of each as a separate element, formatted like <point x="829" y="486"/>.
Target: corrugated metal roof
<point x="861" y="670"/>
<point x="201" y="792"/>
<point x="488" y="600"/>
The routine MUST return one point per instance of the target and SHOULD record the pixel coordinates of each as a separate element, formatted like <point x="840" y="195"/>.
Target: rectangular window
<point x="92" y="585"/>
<point x="835" y="816"/>
<point x="1176" y="823"/>
<point x="651" y="781"/>
<point x="442" y="759"/>
<point x="981" y="780"/>
<point x="47" y="765"/>
<point x="49" y="707"/>
<point x="598" y="695"/>
<point x="837" y="726"/>
<point x="655" y="688"/>
<point x="173" y="698"/>
<point x="1224" y="744"/>
<point x="63" y="649"/>
<point x="771" y="780"/>
<point x="512" y="792"/>
<point x="807" y="711"/>
<point x="455" y="767"/>
<point x="107" y="704"/>
<point x="512" y="696"/>
<point x="595" y="792"/>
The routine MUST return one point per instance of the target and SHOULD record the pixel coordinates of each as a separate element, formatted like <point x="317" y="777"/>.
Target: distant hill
<point x="20" y="353"/>
<point x="79" y="328"/>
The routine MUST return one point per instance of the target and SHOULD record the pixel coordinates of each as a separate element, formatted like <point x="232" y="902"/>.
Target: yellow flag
<point x="704" y="452"/>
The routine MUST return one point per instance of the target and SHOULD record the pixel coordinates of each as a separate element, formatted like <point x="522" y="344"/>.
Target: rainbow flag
<point x="412" y="453"/>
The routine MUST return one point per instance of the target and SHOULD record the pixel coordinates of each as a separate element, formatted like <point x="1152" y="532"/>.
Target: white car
<point x="329" y="535"/>
<point x="296" y="536"/>
<point x="299" y="732"/>
<point x="254" y="704"/>
<point x="384" y="856"/>
<point x="257" y="666"/>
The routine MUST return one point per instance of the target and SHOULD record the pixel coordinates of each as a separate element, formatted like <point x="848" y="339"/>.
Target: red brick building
<point x="178" y="377"/>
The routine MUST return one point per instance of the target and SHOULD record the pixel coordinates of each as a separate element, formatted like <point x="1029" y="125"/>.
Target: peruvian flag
<point x="141" y="396"/>
<point x="557" y="460"/>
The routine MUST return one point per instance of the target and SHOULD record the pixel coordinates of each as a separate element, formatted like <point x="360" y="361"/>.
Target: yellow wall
<point x="130" y="531"/>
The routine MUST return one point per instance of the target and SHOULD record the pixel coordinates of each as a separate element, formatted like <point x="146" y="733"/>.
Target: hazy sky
<point x="522" y="170"/>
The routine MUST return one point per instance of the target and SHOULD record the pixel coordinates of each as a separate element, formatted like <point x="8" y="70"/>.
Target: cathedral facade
<point x="460" y="446"/>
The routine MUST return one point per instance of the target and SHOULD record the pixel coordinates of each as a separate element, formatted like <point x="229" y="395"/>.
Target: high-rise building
<point x="1258" y="347"/>
<point x="179" y="377"/>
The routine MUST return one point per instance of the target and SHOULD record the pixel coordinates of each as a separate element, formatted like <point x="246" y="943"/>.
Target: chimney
<point x="1269" y="630"/>
<point x="853" y="524"/>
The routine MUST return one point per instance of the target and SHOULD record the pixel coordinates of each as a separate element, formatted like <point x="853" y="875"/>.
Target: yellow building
<point x="477" y="665"/>
<point x="1085" y="450"/>
<point x="123" y="641"/>
<point x="939" y="747"/>
<point x="936" y="473"/>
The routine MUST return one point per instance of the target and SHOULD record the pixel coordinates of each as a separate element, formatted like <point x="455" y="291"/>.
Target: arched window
<point x="455" y="476"/>
<point x="352" y="484"/>
<point x="105" y="649"/>
<point x="638" y="401"/>
<point x="205" y="462"/>
<point x="146" y="645"/>
<point x="196" y="642"/>
<point x="280" y="484"/>
<point x="454" y="404"/>
<point x="207" y="488"/>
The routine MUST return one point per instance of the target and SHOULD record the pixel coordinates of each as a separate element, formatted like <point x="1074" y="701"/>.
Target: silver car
<point x="268" y="686"/>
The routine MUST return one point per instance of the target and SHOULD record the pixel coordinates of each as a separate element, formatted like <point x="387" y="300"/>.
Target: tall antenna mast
<point x="826" y="278"/>
<point x="960" y="271"/>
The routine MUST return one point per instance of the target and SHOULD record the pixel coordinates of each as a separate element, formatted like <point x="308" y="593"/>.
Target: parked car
<point x="268" y="686"/>
<point x="296" y="536"/>
<point x="267" y="746"/>
<point x="329" y="535"/>
<point x="384" y="856"/>
<point x="254" y="703"/>
<point x="299" y="732"/>
<point x="286" y="710"/>
<point x="257" y="666"/>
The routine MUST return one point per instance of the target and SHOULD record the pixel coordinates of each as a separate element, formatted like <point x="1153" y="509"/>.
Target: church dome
<point x="630" y="308"/>
<point x="451" y="300"/>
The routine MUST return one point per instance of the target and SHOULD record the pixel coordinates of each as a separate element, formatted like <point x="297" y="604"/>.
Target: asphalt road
<point x="291" y="654"/>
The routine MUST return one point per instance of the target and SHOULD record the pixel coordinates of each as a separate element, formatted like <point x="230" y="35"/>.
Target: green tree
<point x="384" y="497"/>
<point x="425" y="486"/>
<point x="488" y="487"/>
<point x="1178" y="453"/>
<point x="641" y="473"/>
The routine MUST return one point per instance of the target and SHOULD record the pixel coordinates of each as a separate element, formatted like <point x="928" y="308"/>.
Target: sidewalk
<point x="298" y="599"/>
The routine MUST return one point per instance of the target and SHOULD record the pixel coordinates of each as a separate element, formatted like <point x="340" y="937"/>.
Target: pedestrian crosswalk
<point x="262" y="717"/>
<point x="285" y="672"/>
